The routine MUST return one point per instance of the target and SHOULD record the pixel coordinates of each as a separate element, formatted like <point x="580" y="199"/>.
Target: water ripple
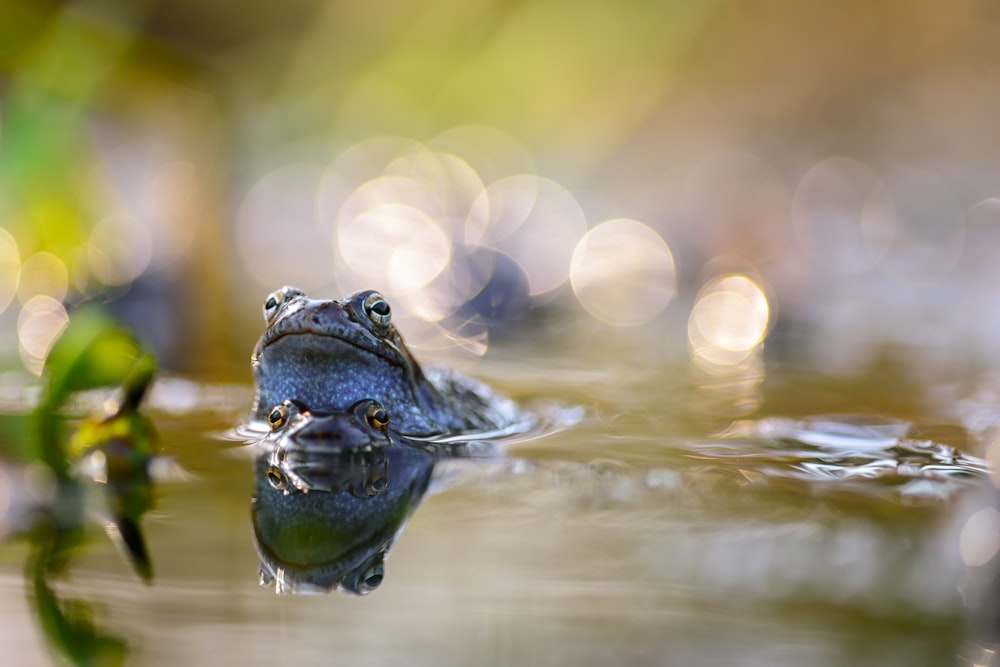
<point x="846" y="448"/>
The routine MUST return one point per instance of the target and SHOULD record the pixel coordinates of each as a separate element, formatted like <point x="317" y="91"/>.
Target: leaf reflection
<point x="67" y="623"/>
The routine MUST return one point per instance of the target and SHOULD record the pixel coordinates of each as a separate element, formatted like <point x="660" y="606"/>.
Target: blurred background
<point x="673" y="214"/>
<point x="700" y="176"/>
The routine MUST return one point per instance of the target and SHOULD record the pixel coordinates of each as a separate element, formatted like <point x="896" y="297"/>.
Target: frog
<point x="332" y="493"/>
<point x="310" y="451"/>
<point x="329" y="354"/>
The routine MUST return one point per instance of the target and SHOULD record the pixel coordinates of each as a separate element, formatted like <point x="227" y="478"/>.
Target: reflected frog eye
<point x="371" y="579"/>
<point x="377" y="416"/>
<point x="276" y="478"/>
<point x="377" y="309"/>
<point x="376" y="486"/>
<point x="277" y="417"/>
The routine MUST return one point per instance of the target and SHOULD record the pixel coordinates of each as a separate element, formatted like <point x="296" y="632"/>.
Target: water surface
<point x="676" y="519"/>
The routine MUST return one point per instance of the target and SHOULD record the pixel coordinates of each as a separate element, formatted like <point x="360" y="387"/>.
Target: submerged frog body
<point x="330" y="354"/>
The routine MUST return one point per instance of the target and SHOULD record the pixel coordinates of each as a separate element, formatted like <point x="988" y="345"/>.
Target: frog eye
<point x="376" y="486"/>
<point x="275" y="478"/>
<point x="377" y="417"/>
<point x="277" y="417"/>
<point x="371" y="579"/>
<point x="377" y="309"/>
<point x="274" y="300"/>
<point x="272" y="304"/>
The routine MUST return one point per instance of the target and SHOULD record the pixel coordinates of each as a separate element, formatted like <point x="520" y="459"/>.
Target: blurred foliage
<point x="124" y="422"/>
<point x="568" y="78"/>
<point x="111" y="448"/>
<point x="92" y="352"/>
<point x="58" y="63"/>
<point x="131" y="132"/>
<point x="114" y="448"/>
<point x="80" y="78"/>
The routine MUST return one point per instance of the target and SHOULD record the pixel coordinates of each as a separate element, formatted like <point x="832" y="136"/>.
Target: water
<point x="673" y="519"/>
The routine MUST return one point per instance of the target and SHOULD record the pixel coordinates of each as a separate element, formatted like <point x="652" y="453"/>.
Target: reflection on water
<point x="67" y="624"/>
<point x="979" y="544"/>
<point x="335" y="530"/>
<point x="332" y="492"/>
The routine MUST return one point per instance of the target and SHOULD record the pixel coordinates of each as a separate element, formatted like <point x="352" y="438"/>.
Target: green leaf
<point x="93" y="351"/>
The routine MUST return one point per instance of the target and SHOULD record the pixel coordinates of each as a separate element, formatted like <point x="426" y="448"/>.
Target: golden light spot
<point x="395" y="244"/>
<point x="396" y="229"/>
<point x="979" y="541"/>
<point x="623" y="273"/>
<point x="352" y="168"/>
<point x="43" y="274"/>
<point x="729" y="320"/>
<point x="39" y="323"/>
<point x="448" y="183"/>
<point x="501" y="209"/>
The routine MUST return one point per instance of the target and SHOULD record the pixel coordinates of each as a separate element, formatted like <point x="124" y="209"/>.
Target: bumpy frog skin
<point x="330" y="354"/>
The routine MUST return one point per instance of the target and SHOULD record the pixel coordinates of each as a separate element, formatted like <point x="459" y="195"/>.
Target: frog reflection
<point x="332" y="492"/>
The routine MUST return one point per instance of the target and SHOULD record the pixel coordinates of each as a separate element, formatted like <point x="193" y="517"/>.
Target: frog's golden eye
<point x="276" y="478"/>
<point x="273" y="304"/>
<point x="377" y="417"/>
<point x="277" y="417"/>
<point x="377" y="309"/>
<point x="275" y="300"/>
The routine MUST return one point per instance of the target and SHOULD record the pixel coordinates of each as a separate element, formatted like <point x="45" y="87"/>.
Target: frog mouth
<point x="312" y="342"/>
